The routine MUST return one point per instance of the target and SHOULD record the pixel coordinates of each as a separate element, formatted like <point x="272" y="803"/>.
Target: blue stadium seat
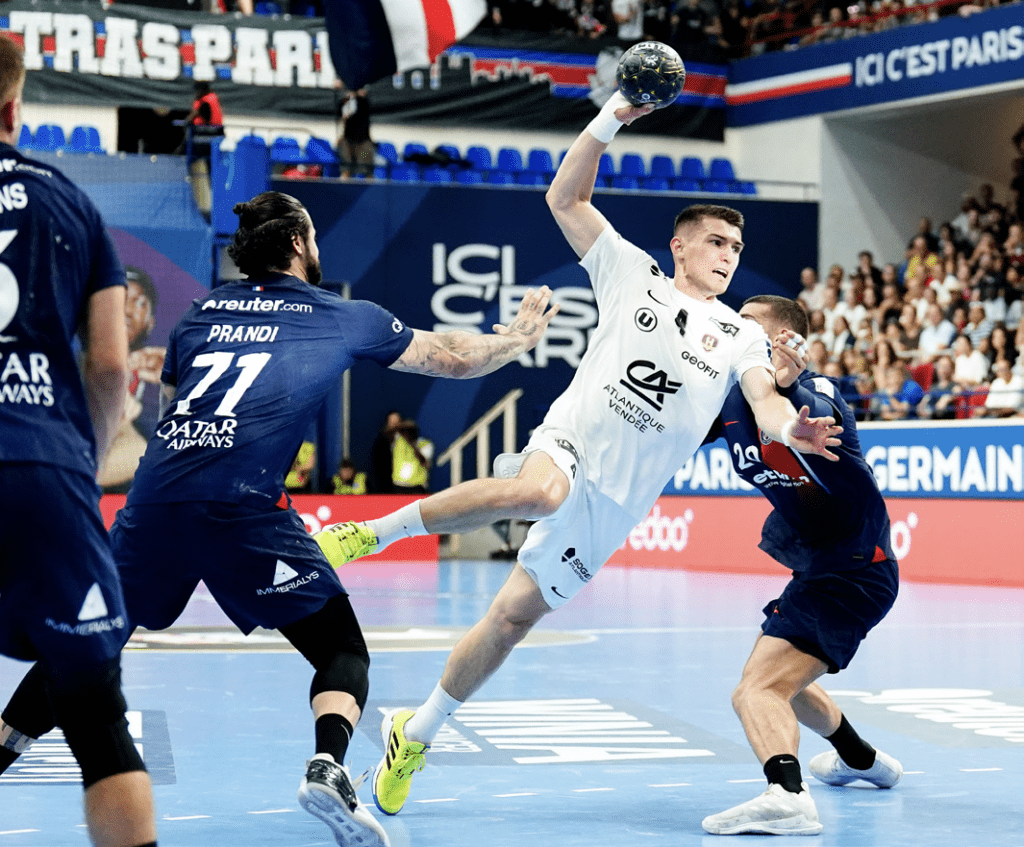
<point x="745" y="186"/>
<point x="538" y="161"/>
<point x="469" y="177"/>
<point x="630" y="183"/>
<point x="286" y="150"/>
<point x="387" y="150"/>
<point x="414" y="148"/>
<point x="49" y="137"/>
<point x="85" y="139"/>
<point x="509" y="160"/>
<point x="717" y="186"/>
<point x="25" y="139"/>
<point x="405" y="173"/>
<point x="655" y="183"/>
<point x="663" y="166"/>
<point x="380" y="172"/>
<point x="480" y="157"/>
<point x="500" y="178"/>
<point x="320" y="152"/>
<point x="450" y="150"/>
<point x="436" y="174"/>
<point x="267" y="7"/>
<point x="682" y="183"/>
<point x="632" y="164"/>
<point x="530" y="178"/>
<point x="606" y="165"/>
<point x="720" y="168"/>
<point x="692" y="167"/>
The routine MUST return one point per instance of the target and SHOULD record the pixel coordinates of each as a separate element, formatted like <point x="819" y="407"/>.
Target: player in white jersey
<point x="658" y="368"/>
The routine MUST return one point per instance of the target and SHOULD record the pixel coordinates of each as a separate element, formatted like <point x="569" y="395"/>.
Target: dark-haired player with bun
<point x="247" y="367"/>
<point x="830" y="527"/>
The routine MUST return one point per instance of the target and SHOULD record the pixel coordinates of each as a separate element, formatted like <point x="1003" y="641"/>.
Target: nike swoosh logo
<point x="730" y="423"/>
<point x="655" y="299"/>
<point x="559" y="593"/>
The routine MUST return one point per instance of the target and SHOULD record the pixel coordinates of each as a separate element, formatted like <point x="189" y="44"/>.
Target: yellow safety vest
<point x="407" y="470"/>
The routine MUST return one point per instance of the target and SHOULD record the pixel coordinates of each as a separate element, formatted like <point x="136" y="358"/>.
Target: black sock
<point x="333" y="733"/>
<point x="852" y="749"/>
<point x="784" y="770"/>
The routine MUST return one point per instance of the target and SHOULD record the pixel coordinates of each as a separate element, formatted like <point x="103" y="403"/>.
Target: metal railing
<point x="480" y="432"/>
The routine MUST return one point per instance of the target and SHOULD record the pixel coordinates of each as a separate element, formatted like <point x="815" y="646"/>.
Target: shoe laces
<point x="407" y="763"/>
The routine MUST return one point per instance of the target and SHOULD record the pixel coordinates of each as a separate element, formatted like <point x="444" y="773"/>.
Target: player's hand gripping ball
<point x="650" y="73"/>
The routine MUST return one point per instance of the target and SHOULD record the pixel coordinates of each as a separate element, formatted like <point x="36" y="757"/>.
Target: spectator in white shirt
<point x="970" y="367"/>
<point x="1005" y="395"/>
<point x="936" y="336"/>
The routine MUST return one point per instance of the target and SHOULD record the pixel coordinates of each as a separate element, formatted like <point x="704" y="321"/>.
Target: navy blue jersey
<point x="251" y="365"/>
<point x="54" y="255"/>
<point x="829" y="516"/>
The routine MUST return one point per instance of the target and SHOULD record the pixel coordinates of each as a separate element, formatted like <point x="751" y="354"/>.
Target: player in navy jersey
<point x="246" y="368"/>
<point x="831" y="528"/>
<point x="60" y="600"/>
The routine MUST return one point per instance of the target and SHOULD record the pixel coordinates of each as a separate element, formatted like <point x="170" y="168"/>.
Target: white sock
<point x="431" y="716"/>
<point x="405" y="523"/>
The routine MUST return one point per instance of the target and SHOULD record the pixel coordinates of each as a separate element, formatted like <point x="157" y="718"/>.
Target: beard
<point x="314" y="273"/>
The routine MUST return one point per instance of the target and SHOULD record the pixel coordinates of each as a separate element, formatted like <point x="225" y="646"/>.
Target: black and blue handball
<point x="650" y="73"/>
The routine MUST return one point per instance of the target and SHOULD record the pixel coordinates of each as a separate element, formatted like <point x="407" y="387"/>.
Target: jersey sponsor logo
<point x="699" y="364"/>
<point x="727" y="328"/>
<point x="709" y="342"/>
<point x="198" y="433"/>
<point x="284" y="573"/>
<point x="285" y="587"/>
<point x="94" y="606"/>
<point x="649" y="382"/>
<point x="681" y="319"/>
<point x="570" y="558"/>
<point x="232" y="332"/>
<point x="632" y="412"/>
<point x="397" y="326"/>
<point x="645" y="319"/>
<point x="24" y="381"/>
<point x="13" y="197"/>
<point x="93" y="617"/>
<point x="257" y="304"/>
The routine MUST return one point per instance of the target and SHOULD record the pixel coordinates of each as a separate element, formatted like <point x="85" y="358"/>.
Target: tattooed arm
<point x="463" y="355"/>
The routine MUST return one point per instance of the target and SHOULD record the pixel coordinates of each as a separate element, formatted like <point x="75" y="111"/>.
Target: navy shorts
<point x="60" y="598"/>
<point x="827" y="615"/>
<point x="261" y="566"/>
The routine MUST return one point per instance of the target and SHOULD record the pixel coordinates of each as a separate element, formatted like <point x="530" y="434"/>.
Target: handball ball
<point x="650" y="72"/>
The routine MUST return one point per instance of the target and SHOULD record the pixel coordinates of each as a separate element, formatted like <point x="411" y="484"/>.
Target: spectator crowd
<point x="936" y="335"/>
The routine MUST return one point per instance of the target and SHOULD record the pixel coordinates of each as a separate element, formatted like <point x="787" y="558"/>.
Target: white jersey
<point x="654" y="377"/>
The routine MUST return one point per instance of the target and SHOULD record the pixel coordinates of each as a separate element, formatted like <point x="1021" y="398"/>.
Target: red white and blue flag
<point x="372" y="39"/>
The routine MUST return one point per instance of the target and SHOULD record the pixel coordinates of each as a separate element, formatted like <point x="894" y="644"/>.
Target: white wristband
<point x="605" y="125"/>
<point x="787" y="432"/>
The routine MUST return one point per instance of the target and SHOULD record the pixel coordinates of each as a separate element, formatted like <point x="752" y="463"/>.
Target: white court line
<point x="908" y="773"/>
<point x="978" y="770"/>
<point x="585" y="790"/>
<point x="519" y="794"/>
<point x="17" y="831"/>
<point x="439" y="800"/>
<point x="185" y="817"/>
<point x="669" y="784"/>
<point x="737" y="781"/>
<point x="271" y="811"/>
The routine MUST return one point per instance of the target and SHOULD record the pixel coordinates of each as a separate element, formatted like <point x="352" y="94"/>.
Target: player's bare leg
<point x="119" y="810"/>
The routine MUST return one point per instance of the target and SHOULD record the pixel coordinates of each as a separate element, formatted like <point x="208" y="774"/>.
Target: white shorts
<point x="564" y="551"/>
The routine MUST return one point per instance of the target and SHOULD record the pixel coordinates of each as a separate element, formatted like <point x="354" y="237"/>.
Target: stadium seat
<point x="480" y="157"/>
<point x="745" y="186"/>
<point x="655" y="183"/>
<point x="85" y="139"/>
<point x="663" y="166"/>
<point x="720" y="168"/>
<point x="529" y="178"/>
<point x="436" y="174"/>
<point x="509" y="160"/>
<point x="267" y="7"/>
<point x="49" y="137"/>
<point x="286" y="150"/>
<point x="380" y="172"/>
<point x="606" y="166"/>
<point x="500" y="178"/>
<point x="25" y="139"/>
<point x="538" y="161"/>
<point x="717" y="186"/>
<point x="414" y="148"/>
<point x="320" y="152"/>
<point x="629" y="183"/>
<point x="449" y="150"/>
<point x="686" y="184"/>
<point x="469" y="177"/>
<point x="387" y="151"/>
<point x="404" y="172"/>
<point x="691" y="167"/>
<point x="632" y="164"/>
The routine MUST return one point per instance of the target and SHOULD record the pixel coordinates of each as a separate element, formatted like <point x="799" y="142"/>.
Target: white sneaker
<point x="776" y="812"/>
<point x="327" y="792"/>
<point x="827" y="767"/>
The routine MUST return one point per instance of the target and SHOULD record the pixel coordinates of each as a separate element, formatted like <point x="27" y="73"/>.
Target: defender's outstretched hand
<point x="533" y="317"/>
<point x="789" y="355"/>
<point x="814" y="435"/>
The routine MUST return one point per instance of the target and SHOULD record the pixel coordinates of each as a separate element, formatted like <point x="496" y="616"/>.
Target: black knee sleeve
<point x="345" y="672"/>
<point x="90" y="709"/>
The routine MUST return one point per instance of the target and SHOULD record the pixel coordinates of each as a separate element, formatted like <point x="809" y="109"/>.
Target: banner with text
<point x="951" y="54"/>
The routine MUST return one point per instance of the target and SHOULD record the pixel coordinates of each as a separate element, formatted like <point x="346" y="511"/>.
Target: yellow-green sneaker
<point x="346" y="542"/>
<point x="393" y="776"/>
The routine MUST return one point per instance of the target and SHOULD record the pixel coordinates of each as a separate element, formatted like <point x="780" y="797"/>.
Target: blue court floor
<point x="610" y="726"/>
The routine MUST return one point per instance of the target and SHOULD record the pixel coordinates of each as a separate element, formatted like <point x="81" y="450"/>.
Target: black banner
<point x="144" y="57"/>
